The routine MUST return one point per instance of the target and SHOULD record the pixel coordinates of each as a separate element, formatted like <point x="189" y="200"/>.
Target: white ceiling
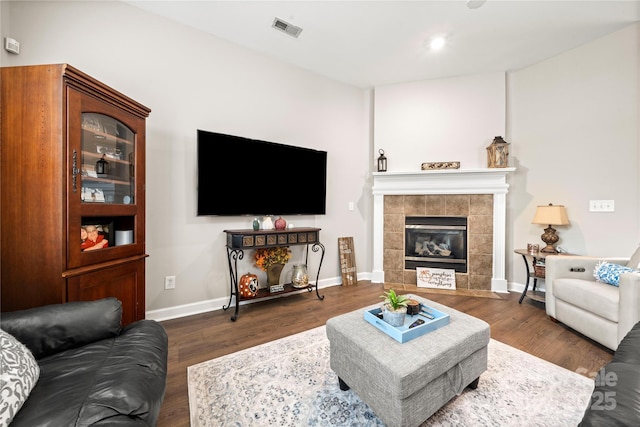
<point x="372" y="43"/>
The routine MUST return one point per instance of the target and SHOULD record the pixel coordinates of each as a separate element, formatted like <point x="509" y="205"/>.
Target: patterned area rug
<point x="288" y="382"/>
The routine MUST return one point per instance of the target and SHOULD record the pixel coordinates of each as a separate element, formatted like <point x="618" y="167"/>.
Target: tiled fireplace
<point x="476" y="197"/>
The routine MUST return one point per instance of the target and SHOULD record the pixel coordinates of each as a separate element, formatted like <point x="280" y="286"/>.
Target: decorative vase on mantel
<point x="273" y="274"/>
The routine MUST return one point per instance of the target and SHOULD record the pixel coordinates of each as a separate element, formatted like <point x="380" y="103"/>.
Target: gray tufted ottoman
<point x="406" y="383"/>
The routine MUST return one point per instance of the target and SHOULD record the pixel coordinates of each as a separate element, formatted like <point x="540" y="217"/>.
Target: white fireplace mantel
<point x="446" y="181"/>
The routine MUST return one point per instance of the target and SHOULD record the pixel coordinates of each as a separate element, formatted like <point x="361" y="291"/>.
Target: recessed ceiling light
<point x="437" y="43"/>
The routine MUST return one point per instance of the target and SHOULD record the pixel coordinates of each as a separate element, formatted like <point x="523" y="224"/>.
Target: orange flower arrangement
<point x="266" y="257"/>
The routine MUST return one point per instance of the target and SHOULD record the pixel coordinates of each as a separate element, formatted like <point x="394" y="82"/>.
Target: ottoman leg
<point x="343" y="385"/>
<point x="474" y="384"/>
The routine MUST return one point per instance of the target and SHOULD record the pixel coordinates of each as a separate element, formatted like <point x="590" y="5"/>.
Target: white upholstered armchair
<point x="600" y="311"/>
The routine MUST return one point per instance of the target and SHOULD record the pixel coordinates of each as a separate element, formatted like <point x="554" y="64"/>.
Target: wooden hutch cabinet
<point x="73" y="176"/>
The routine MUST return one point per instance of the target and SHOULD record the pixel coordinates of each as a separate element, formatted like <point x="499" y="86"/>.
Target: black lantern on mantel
<point x="102" y="166"/>
<point x="498" y="153"/>
<point x="382" y="161"/>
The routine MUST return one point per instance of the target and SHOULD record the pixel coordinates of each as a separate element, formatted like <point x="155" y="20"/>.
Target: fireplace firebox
<point x="436" y="242"/>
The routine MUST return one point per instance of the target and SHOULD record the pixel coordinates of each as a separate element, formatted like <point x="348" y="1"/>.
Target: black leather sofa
<point x="93" y="372"/>
<point x="616" y="396"/>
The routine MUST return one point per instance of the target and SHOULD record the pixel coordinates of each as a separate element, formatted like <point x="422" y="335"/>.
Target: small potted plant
<point x="394" y="308"/>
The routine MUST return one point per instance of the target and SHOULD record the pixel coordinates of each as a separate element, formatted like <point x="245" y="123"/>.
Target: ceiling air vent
<point x="287" y="28"/>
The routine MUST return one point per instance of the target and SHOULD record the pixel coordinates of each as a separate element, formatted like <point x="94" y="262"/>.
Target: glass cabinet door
<point x="108" y="159"/>
<point x="105" y="195"/>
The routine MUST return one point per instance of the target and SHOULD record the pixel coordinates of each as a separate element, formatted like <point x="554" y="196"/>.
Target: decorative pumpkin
<point x="267" y="223"/>
<point x="248" y="285"/>
<point x="280" y="224"/>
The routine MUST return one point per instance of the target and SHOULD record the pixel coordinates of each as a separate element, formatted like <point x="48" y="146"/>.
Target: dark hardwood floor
<point x="206" y="336"/>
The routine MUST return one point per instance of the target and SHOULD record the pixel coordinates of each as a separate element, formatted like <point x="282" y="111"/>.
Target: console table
<point x="240" y="240"/>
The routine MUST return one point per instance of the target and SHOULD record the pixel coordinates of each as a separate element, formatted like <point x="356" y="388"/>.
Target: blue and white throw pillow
<point x="610" y="273"/>
<point x="19" y="373"/>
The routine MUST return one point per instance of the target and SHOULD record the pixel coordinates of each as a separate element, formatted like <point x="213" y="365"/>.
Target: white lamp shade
<point x="551" y="215"/>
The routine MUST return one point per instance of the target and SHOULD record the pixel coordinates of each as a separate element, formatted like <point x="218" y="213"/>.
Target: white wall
<point x="191" y="81"/>
<point x="452" y="119"/>
<point x="574" y="125"/>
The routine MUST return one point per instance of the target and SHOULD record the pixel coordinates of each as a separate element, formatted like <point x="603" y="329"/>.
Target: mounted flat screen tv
<point x="241" y="176"/>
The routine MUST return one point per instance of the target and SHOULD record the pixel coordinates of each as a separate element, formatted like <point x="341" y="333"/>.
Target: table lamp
<point x="550" y="215"/>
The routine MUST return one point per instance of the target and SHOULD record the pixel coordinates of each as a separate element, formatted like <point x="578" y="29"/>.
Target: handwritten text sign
<point x="438" y="278"/>
<point x="347" y="261"/>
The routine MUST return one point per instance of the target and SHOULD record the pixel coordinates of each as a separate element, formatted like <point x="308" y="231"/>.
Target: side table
<point x="533" y="272"/>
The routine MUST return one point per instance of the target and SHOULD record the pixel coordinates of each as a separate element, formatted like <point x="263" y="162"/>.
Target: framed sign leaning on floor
<point x="438" y="278"/>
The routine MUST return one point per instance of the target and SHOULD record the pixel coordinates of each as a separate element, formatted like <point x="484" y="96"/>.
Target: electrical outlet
<point x="169" y="282"/>
<point x="601" y="206"/>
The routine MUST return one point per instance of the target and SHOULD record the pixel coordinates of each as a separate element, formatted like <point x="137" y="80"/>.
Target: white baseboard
<point x="206" y="306"/>
<point x="217" y="304"/>
<point x="519" y="287"/>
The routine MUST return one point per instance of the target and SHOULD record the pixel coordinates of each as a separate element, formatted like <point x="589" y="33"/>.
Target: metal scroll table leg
<point x="524" y="293"/>
<point x="315" y="248"/>
<point x="233" y="255"/>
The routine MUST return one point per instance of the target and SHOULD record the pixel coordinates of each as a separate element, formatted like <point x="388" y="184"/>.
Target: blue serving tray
<point x="403" y="333"/>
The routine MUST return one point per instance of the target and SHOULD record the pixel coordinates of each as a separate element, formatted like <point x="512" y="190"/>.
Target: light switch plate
<point x="601" y="206"/>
